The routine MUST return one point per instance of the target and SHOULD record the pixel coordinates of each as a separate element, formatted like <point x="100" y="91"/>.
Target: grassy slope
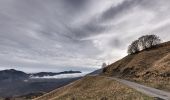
<point x="95" y="88"/>
<point x="151" y="67"/>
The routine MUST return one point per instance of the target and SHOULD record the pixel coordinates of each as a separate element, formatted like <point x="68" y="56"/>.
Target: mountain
<point x="31" y="88"/>
<point x="42" y="74"/>
<point x="14" y="83"/>
<point x="150" y="67"/>
<point x="96" y="72"/>
<point x="12" y="74"/>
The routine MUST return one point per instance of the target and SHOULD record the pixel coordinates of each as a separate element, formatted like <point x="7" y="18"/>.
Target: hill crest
<point x="150" y="66"/>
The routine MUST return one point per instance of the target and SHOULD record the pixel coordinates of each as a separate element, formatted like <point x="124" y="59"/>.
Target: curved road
<point x="145" y="89"/>
<point x="152" y="92"/>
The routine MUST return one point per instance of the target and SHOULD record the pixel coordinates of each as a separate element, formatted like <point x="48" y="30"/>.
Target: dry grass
<point x="151" y="67"/>
<point x="95" y="88"/>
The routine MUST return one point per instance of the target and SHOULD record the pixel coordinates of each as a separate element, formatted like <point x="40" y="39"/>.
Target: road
<point x="145" y="89"/>
<point x="152" y="92"/>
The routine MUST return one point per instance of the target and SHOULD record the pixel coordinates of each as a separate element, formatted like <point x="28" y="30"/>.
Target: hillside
<point x="94" y="88"/>
<point x="150" y="67"/>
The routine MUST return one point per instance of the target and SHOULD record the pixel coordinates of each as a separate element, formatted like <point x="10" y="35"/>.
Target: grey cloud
<point x="123" y="7"/>
<point x="64" y="34"/>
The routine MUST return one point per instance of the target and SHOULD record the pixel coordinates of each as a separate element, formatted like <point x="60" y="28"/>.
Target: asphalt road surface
<point x="145" y="89"/>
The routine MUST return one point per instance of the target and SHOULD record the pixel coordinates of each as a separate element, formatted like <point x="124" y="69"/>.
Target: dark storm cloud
<point x="126" y="5"/>
<point x="76" y="4"/>
<point x="75" y="34"/>
<point x="123" y="7"/>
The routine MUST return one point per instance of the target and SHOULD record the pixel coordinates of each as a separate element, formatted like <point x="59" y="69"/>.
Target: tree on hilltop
<point x="144" y="42"/>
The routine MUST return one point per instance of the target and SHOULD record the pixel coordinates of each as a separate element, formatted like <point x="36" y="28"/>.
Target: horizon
<point x="61" y="35"/>
<point x="45" y="71"/>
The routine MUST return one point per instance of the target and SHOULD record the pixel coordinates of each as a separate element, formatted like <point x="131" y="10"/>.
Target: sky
<point x="58" y="35"/>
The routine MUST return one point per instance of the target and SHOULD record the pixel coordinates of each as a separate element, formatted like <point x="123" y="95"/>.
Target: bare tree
<point x="148" y="41"/>
<point x="133" y="48"/>
<point x="104" y="65"/>
<point x="143" y="43"/>
<point x="152" y="40"/>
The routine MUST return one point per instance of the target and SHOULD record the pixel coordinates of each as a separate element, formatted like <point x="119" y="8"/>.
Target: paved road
<point x="141" y="88"/>
<point x="146" y="90"/>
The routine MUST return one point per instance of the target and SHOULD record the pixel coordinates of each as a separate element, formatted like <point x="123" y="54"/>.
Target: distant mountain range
<point x="12" y="74"/>
<point x="42" y="74"/>
<point x="14" y="83"/>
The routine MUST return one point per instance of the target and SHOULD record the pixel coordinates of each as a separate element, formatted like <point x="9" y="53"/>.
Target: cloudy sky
<point x="57" y="35"/>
